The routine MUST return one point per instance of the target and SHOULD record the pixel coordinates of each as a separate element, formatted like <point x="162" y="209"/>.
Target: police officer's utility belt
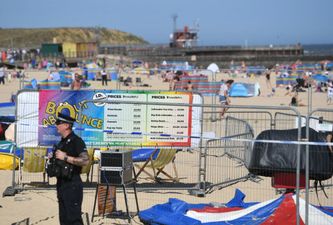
<point x="60" y="169"/>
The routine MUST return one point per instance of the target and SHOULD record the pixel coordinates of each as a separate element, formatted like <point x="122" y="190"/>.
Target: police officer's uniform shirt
<point x="73" y="145"/>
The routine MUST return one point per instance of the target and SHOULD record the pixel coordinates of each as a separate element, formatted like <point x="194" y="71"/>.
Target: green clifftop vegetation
<point x="34" y="37"/>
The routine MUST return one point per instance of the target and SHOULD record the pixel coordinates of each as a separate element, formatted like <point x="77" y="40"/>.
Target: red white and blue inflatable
<point x="281" y="210"/>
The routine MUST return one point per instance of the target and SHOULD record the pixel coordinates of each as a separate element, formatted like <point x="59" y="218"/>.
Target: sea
<point x="318" y="49"/>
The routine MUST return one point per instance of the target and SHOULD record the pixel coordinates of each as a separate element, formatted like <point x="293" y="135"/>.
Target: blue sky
<point x="221" y="22"/>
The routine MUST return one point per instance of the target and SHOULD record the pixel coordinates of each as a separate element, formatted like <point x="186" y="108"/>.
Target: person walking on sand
<point x="2" y="75"/>
<point x="224" y="96"/>
<point x="268" y="79"/>
<point x="104" y="78"/>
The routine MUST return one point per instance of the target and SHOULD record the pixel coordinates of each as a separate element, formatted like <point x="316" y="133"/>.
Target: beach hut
<point x="69" y="49"/>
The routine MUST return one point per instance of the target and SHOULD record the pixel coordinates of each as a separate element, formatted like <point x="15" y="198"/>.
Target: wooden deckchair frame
<point x="164" y="157"/>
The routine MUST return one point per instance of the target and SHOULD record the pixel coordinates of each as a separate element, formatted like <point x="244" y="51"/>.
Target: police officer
<point x="72" y="150"/>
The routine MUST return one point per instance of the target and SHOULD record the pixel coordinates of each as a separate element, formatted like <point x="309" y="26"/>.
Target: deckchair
<point x="157" y="161"/>
<point x="86" y="169"/>
<point x="34" y="160"/>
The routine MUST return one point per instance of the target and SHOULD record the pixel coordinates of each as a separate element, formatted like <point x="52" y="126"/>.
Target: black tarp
<point x="269" y="158"/>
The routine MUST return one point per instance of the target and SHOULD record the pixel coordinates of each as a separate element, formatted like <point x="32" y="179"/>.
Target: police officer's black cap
<point x="62" y="118"/>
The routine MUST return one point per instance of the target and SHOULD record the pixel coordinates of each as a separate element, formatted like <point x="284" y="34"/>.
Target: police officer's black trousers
<point x="70" y="196"/>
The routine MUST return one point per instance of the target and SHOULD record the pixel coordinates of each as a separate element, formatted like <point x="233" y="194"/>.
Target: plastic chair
<point x="158" y="164"/>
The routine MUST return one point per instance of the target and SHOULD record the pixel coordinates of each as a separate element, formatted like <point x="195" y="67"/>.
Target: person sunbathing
<point x="295" y="101"/>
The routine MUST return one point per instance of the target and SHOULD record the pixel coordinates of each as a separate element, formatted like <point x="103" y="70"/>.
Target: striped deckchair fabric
<point x="199" y="83"/>
<point x="157" y="165"/>
<point x="34" y="160"/>
<point x="49" y="85"/>
<point x="286" y="80"/>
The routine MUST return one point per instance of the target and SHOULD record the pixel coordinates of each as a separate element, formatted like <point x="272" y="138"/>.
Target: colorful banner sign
<point x="119" y="123"/>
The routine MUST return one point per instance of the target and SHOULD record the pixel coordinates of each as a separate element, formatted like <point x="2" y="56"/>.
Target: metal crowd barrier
<point x="212" y="168"/>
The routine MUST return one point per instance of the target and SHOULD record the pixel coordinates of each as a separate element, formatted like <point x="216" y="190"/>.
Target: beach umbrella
<point x="213" y="67"/>
<point x="320" y="77"/>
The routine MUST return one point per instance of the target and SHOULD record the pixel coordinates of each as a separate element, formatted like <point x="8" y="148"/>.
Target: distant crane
<point x="174" y="18"/>
<point x="196" y="26"/>
<point x="186" y="37"/>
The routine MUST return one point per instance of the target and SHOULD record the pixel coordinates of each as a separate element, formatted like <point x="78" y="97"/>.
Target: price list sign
<point x="168" y="123"/>
<point x="147" y="124"/>
<point x="125" y="119"/>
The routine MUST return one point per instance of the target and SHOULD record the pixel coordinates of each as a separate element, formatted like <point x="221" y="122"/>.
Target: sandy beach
<point x="40" y="205"/>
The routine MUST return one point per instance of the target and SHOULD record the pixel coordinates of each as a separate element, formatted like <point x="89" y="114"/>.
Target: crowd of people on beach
<point x="8" y="75"/>
<point x="174" y="76"/>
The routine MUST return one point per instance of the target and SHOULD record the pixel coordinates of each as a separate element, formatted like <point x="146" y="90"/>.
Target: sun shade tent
<point x="244" y="90"/>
